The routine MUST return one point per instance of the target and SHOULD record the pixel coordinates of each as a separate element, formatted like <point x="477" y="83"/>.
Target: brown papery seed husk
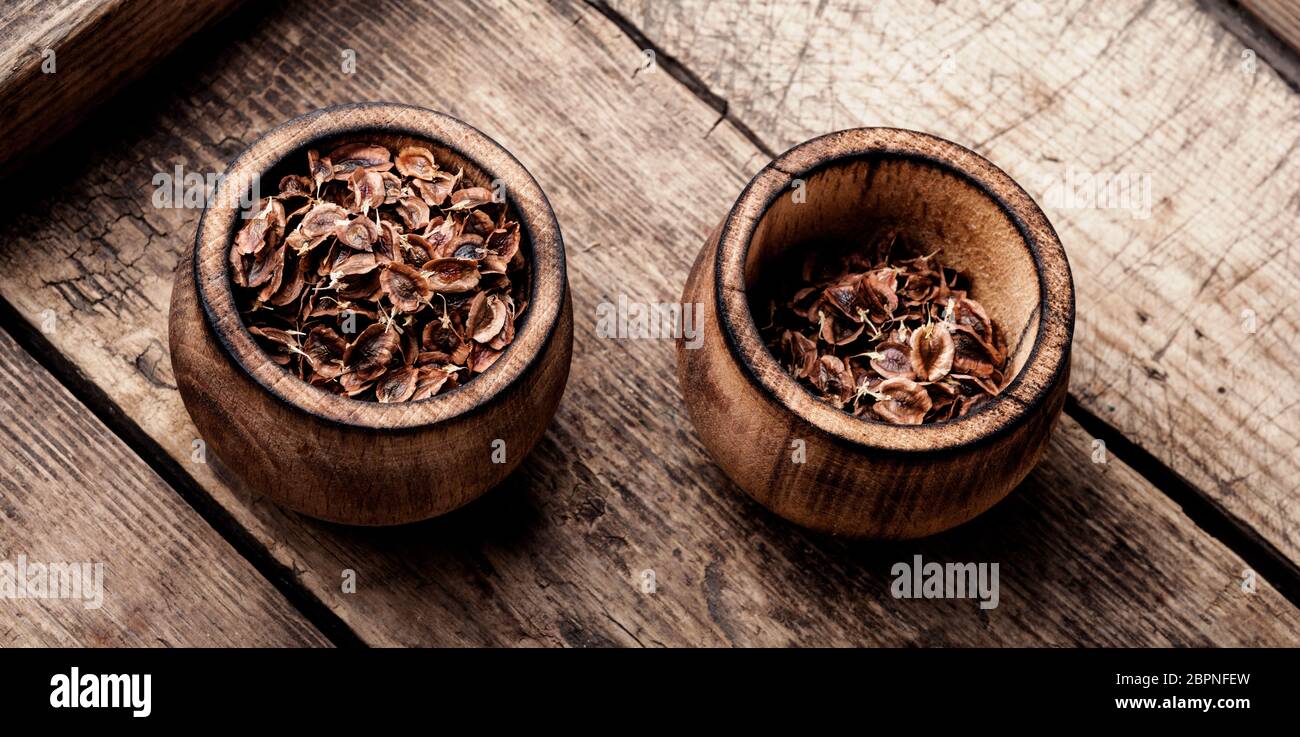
<point x="906" y="402"/>
<point x="932" y="352"/>
<point x="482" y="358"/>
<point x="291" y="283"/>
<point x="452" y="274"/>
<point x="894" y="360"/>
<point x="322" y="220"/>
<point x="321" y="169"/>
<point x="367" y="189"/>
<point x="487" y="315"/>
<point x="504" y="242"/>
<point x="294" y="186"/>
<point x="470" y="197"/>
<point x="354" y="263"/>
<point x="359" y="233"/>
<point x="843" y="298"/>
<point x="970" y="313"/>
<point x="351" y="155"/>
<point x="417" y="249"/>
<point x="440" y="337"/>
<point x="804" y="353"/>
<point x="252" y="237"/>
<point x="467" y="246"/>
<point x="406" y="287"/>
<point x="430" y="380"/>
<point x="837" y="379"/>
<point x="435" y="192"/>
<point x="325" y="349"/>
<point x="440" y="237"/>
<point x="839" y="331"/>
<point x="970" y="354"/>
<point x="369" y="354"/>
<point x="414" y="212"/>
<point x="397" y="386"/>
<point x="265" y="266"/>
<point x="416" y="161"/>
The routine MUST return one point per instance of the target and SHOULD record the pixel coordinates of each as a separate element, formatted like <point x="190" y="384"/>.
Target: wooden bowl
<point x="348" y="460"/>
<point x="859" y="477"/>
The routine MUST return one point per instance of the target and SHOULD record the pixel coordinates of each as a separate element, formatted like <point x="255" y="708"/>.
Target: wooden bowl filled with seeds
<point x="374" y="325"/>
<point x="886" y="335"/>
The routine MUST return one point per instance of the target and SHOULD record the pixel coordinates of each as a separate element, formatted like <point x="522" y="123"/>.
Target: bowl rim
<point x="548" y="289"/>
<point x="1049" y="355"/>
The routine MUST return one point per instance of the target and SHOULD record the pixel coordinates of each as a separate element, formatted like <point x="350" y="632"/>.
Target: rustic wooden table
<point x="642" y="120"/>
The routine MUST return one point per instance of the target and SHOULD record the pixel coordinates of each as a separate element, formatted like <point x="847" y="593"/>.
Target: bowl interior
<point x="447" y="158"/>
<point x="455" y="145"/>
<point x="840" y="189"/>
<point x="848" y="201"/>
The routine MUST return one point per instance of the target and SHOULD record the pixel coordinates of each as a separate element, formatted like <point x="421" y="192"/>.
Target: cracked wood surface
<point x="61" y="58"/>
<point x="72" y="492"/>
<point x="1163" y="348"/>
<point x="638" y="172"/>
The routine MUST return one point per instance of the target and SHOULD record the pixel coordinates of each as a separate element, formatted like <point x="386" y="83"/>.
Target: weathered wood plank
<point x="1281" y="16"/>
<point x="72" y="492"/>
<point x="638" y="174"/>
<point x="1188" y="325"/>
<point x="61" y="58"/>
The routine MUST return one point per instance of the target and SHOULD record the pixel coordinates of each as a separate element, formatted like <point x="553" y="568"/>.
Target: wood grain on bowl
<point x="853" y="476"/>
<point x="341" y="459"/>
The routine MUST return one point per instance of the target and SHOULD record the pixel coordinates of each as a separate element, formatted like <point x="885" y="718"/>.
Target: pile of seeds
<point x="380" y="276"/>
<point x="884" y="332"/>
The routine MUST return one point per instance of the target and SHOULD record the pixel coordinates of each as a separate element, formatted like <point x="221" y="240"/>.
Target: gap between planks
<point x="1277" y="22"/>
<point x="1276" y="47"/>
<point x="108" y="412"/>
<point x="1207" y="514"/>
<point x="1204" y="511"/>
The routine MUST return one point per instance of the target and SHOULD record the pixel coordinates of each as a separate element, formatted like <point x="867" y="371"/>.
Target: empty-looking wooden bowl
<point x="819" y="466"/>
<point x="348" y="460"/>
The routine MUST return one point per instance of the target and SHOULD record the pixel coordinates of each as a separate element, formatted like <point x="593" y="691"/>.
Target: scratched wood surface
<point x="60" y="58"/>
<point x="638" y="170"/>
<point x="1282" y="17"/>
<point x="1188" y="328"/>
<point x="72" y="492"/>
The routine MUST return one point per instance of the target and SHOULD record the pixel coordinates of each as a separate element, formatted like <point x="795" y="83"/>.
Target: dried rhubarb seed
<point x="452" y="274"/>
<point x="322" y="220"/>
<point x="932" y="352"/>
<point x="487" y="316"/>
<point x="406" y="287"/>
<point x="349" y="156"/>
<point x="881" y="329"/>
<point x="905" y="402"/>
<point x="892" y="359"/>
<point x="397" y="386"/>
<point x="376" y="274"/>
<point x="369" y="354"/>
<point x="417" y="162"/>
